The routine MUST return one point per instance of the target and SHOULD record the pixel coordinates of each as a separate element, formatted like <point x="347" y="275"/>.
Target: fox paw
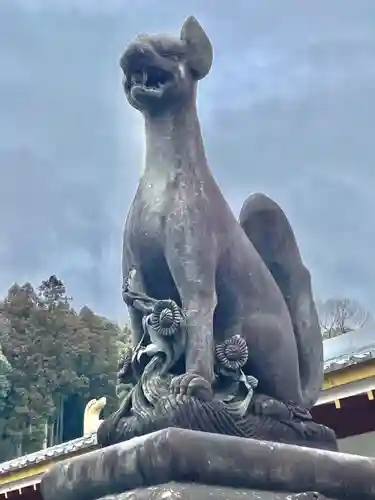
<point x="191" y="385"/>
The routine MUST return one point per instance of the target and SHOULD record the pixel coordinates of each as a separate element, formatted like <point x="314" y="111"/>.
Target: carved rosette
<point x="233" y="353"/>
<point x="166" y="318"/>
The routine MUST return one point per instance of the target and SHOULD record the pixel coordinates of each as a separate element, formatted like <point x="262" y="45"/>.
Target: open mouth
<point x="151" y="81"/>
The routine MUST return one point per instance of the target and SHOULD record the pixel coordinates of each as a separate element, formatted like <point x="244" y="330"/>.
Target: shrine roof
<point x="349" y="349"/>
<point x="48" y="454"/>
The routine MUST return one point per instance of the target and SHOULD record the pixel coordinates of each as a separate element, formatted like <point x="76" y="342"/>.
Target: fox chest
<point x="146" y="222"/>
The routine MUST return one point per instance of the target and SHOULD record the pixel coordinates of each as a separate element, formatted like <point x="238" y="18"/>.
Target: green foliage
<point x="5" y="369"/>
<point x="53" y="361"/>
<point x="101" y="358"/>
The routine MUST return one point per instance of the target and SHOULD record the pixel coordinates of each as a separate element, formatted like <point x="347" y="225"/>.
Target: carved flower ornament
<point x="233" y="353"/>
<point x="166" y="318"/>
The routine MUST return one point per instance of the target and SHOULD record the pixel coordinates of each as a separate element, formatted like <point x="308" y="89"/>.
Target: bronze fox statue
<point x="231" y="277"/>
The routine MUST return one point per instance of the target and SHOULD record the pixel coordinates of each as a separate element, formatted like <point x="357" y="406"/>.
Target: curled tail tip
<point x="259" y="199"/>
<point x="257" y="203"/>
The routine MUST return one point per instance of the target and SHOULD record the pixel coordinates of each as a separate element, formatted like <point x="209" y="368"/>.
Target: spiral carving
<point x="233" y="353"/>
<point x="166" y="318"/>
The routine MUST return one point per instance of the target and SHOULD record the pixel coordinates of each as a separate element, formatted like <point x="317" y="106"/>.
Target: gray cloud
<point x="287" y="109"/>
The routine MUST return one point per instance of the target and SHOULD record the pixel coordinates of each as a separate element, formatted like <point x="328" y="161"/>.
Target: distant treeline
<point x="53" y="360"/>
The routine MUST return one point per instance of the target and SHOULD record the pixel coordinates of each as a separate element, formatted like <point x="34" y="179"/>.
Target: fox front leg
<point x="194" y="276"/>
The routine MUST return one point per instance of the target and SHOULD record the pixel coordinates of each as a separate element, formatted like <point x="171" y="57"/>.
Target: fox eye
<point x="173" y="57"/>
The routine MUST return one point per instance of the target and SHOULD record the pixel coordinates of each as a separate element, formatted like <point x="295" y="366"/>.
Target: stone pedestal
<point x="180" y="491"/>
<point x="183" y="464"/>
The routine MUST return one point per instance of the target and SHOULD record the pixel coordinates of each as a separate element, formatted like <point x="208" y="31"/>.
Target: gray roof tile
<point x="53" y="452"/>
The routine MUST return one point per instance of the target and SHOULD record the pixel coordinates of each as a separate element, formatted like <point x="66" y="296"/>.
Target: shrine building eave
<point x="26" y="471"/>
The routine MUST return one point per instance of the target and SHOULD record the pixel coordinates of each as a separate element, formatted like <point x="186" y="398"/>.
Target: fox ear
<point x="199" y="48"/>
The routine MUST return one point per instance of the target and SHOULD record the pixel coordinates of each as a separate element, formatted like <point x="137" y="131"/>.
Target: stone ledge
<point x="180" y="491"/>
<point x="209" y="459"/>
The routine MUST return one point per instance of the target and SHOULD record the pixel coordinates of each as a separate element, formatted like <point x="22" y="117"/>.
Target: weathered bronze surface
<point x="185" y="244"/>
<point x="224" y="328"/>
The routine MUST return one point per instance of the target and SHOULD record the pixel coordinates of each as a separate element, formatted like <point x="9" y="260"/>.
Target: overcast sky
<point x="288" y="109"/>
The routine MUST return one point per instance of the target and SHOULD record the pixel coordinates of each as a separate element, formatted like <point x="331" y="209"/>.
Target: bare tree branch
<point x="338" y="316"/>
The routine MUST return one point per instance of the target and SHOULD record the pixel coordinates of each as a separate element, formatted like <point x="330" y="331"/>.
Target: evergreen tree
<point x="22" y="413"/>
<point x="62" y="342"/>
<point x="101" y="357"/>
<point x="5" y="366"/>
<point x="54" y="361"/>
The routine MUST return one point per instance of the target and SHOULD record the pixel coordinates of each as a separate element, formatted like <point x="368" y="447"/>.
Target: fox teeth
<point x="136" y="78"/>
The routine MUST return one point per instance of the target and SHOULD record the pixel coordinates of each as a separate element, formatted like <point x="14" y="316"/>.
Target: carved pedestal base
<point x="210" y="466"/>
<point x="267" y="419"/>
